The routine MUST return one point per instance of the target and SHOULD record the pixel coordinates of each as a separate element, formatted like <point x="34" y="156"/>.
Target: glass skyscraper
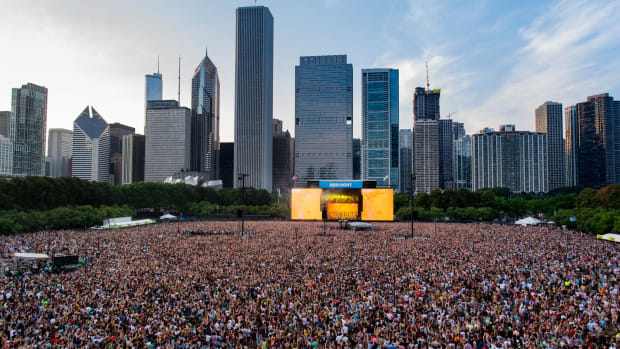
<point x="28" y="129"/>
<point x="549" y="121"/>
<point x="380" y="145"/>
<point x="571" y="132"/>
<point x="153" y="87"/>
<point x="254" y="97"/>
<point x="323" y="118"/>
<point x="427" y="161"/>
<point x="205" y="119"/>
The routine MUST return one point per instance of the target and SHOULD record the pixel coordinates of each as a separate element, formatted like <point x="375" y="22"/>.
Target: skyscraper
<point x="117" y="131"/>
<point x="510" y="159"/>
<point x="323" y="118"/>
<point x="5" y="124"/>
<point x="549" y="121"/>
<point x="598" y="156"/>
<point x="380" y="145"/>
<point x="254" y="97"/>
<point x="28" y="126"/>
<point x="406" y="160"/>
<point x="205" y="119"/>
<point x="91" y="147"/>
<point x="153" y="87"/>
<point x="283" y="158"/>
<point x="132" y="157"/>
<point x="427" y="142"/>
<point x="227" y="163"/>
<point x="462" y="162"/>
<point x="446" y="139"/>
<point x="571" y="131"/>
<point x="458" y="129"/>
<point x="59" y="148"/>
<point x="6" y="156"/>
<point x="167" y="144"/>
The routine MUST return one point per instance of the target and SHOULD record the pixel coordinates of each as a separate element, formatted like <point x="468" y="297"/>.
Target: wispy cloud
<point x="564" y="57"/>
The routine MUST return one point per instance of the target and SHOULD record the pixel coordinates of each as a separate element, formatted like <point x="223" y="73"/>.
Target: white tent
<point x="609" y="237"/>
<point x="168" y="216"/>
<point x="528" y="221"/>
<point x="31" y="256"/>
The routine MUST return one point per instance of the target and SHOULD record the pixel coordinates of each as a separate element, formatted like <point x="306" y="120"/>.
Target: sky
<point x="495" y="61"/>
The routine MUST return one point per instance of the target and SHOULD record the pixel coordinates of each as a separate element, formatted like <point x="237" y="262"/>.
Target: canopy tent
<point x="31" y="256"/>
<point x="609" y="237"/>
<point x="360" y="226"/>
<point x="168" y="216"/>
<point x="528" y="221"/>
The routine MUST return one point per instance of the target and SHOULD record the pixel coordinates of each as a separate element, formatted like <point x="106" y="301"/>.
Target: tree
<point x="588" y="199"/>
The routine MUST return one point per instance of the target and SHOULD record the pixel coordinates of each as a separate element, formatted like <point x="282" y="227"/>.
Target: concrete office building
<point x="571" y="134"/>
<point x="380" y="145"/>
<point x="406" y="160"/>
<point x="6" y="156"/>
<point x="132" y="158"/>
<point x="90" y="149"/>
<point x="426" y="139"/>
<point x="254" y="97"/>
<point x="205" y="119"/>
<point x="167" y="143"/>
<point x="28" y="129"/>
<point x="549" y="121"/>
<point x="510" y="159"/>
<point x="323" y="119"/>
<point x="59" y="148"/>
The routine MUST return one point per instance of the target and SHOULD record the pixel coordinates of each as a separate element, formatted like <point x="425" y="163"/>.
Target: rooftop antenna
<point x="428" y="85"/>
<point x="179" y="90"/>
<point x="158" y="64"/>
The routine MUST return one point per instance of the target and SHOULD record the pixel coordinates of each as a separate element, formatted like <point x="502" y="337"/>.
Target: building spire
<point x="179" y="89"/>
<point x="428" y="85"/>
<point x="206" y="51"/>
<point x="157" y="64"/>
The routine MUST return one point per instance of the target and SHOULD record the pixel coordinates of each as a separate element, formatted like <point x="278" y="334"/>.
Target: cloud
<point x="564" y="57"/>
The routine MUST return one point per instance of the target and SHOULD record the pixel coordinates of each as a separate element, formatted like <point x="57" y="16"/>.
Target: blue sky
<point x="495" y="61"/>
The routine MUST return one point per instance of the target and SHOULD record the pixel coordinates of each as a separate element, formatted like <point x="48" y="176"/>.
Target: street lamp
<point x="241" y="177"/>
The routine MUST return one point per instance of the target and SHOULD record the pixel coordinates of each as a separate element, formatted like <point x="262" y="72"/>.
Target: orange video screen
<point x="306" y="204"/>
<point x="342" y="211"/>
<point x="378" y="205"/>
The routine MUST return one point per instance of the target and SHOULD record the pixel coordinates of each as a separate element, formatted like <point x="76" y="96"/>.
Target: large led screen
<point x="378" y="205"/>
<point x="306" y="204"/>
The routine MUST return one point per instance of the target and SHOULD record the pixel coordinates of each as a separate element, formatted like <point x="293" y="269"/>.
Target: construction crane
<point x="450" y="115"/>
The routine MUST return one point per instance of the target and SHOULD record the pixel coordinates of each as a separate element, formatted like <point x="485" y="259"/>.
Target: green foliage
<point x="588" y="198"/>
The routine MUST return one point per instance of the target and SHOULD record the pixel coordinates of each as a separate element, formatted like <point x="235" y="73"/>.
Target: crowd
<point x="450" y="286"/>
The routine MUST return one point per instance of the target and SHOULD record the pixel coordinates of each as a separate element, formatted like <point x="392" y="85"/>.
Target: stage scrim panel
<point x="342" y="211"/>
<point x="378" y="205"/>
<point x="306" y="204"/>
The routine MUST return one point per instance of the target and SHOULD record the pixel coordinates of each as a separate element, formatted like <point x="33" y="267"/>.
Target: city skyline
<point x="535" y="48"/>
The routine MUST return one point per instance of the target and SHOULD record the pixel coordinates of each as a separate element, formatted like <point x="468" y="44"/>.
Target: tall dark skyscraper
<point x="283" y="158"/>
<point x="227" y="163"/>
<point x="117" y="131"/>
<point x="28" y="129"/>
<point x="458" y="129"/>
<point x="549" y="121"/>
<point x="133" y="158"/>
<point x="205" y="119"/>
<point x="571" y="145"/>
<point x="357" y="158"/>
<point x="254" y="97"/>
<point x="598" y="155"/>
<point x="446" y="139"/>
<point x="5" y="124"/>
<point x="427" y="139"/>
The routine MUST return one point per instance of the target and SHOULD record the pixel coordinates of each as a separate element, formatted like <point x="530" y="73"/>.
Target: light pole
<point x="411" y="200"/>
<point x="241" y="177"/>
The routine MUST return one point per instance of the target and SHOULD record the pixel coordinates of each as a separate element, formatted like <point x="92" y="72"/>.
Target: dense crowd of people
<point x="450" y="286"/>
